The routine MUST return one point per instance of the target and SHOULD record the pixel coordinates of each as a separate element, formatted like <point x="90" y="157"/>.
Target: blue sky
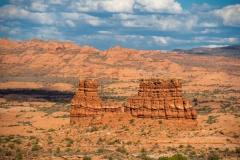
<point x="140" y="24"/>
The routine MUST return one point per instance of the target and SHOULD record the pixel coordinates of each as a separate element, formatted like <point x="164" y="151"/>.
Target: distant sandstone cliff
<point x="156" y="98"/>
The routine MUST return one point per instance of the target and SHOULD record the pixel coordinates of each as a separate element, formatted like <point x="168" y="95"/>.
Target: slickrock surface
<point x="156" y="98"/>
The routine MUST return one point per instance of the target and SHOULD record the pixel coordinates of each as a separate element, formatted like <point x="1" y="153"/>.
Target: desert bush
<point x="92" y="129"/>
<point x="110" y="158"/>
<point x="68" y="150"/>
<point x="163" y="158"/>
<point x="19" y="156"/>
<point x="131" y="121"/>
<point x="35" y="148"/>
<point x="100" y="140"/>
<point x="204" y="110"/>
<point x="211" y="119"/>
<point x="195" y="100"/>
<point x="105" y="126"/>
<point x="8" y="153"/>
<point x="213" y="156"/>
<point x="87" y="158"/>
<point x="63" y="116"/>
<point x="32" y="137"/>
<point x="17" y="141"/>
<point x="57" y="152"/>
<point x="143" y="155"/>
<point x="178" y="157"/>
<point x="9" y="138"/>
<point x="160" y="121"/>
<point x="51" y="130"/>
<point x="126" y="128"/>
<point x="113" y="142"/>
<point x="181" y="146"/>
<point x="101" y="150"/>
<point x="11" y="145"/>
<point x="121" y="150"/>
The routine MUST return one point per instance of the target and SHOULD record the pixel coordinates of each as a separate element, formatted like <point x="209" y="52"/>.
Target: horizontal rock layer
<point x="156" y="98"/>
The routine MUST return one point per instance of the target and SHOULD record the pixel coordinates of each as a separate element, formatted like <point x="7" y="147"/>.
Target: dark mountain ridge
<point x="228" y="51"/>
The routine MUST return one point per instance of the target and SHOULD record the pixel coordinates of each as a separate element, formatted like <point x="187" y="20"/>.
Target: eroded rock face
<point x="156" y="98"/>
<point x="86" y="101"/>
<point x="160" y="98"/>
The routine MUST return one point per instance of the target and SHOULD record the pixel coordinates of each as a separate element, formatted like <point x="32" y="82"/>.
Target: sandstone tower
<point x="156" y="98"/>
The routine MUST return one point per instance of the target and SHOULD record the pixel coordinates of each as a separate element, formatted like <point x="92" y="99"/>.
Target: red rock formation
<point x="86" y="101"/>
<point x="156" y="98"/>
<point x="160" y="98"/>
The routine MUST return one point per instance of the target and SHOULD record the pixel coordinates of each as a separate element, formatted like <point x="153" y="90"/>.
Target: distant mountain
<point x="229" y="51"/>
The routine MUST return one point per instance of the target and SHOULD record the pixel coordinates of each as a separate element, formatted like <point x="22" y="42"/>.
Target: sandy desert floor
<point x="35" y="122"/>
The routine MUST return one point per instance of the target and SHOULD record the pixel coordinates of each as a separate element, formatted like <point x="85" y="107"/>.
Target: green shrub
<point x="163" y="158"/>
<point x="131" y="121"/>
<point x="101" y="150"/>
<point x="19" y="156"/>
<point x="121" y="150"/>
<point x="181" y="146"/>
<point x="237" y="150"/>
<point x="178" y="157"/>
<point x="51" y="130"/>
<point x="160" y="121"/>
<point x="144" y="155"/>
<point x="213" y="156"/>
<point x="8" y="153"/>
<point x="11" y="145"/>
<point x="58" y="151"/>
<point x="17" y="141"/>
<point x="87" y="158"/>
<point x="35" y="148"/>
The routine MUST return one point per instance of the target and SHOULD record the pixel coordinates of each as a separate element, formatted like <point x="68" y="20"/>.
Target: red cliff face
<point x="156" y="98"/>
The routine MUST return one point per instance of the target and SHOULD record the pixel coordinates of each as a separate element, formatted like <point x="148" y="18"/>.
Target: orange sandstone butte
<point x="156" y="98"/>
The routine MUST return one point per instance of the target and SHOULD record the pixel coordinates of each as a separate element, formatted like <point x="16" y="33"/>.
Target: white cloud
<point x="15" y="1"/>
<point x="95" y="22"/>
<point x="70" y="23"/>
<point x="207" y="30"/>
<point x="9" y="30"/>
<point x="46" y="33"/>
<point x="229" y="14"/>
<point x="14" y="23"/>
<point x="106" y="5"/>
<point x="201" y="8"/>
<point x="11" y="11"/>
<point x="208" y="24"/>
<point x="55" y="2"/>
<point x="106" y="32"/>
<point x="117" y="5"/>
<point x="127" y="6"/>
<point x="171" y="22"/>
<point x="214" y="46"/>
<point x="37" y="6"/>
<point x="3" y="28"/>
<point x="63" y="19"/>
<point x="215" y="40"/>
<point x="168" y="6"/>
<point x="161" y="40"/>
<point x="14" y="31"/>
